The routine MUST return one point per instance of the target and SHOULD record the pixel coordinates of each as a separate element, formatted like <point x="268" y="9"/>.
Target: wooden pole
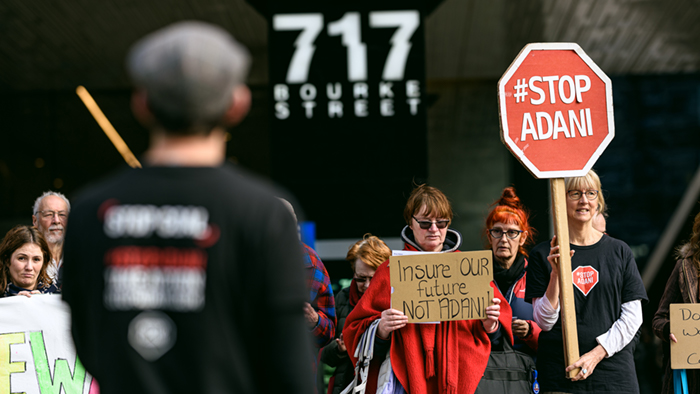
<point x="566" y="288"/>
<point x="107" y="127"/>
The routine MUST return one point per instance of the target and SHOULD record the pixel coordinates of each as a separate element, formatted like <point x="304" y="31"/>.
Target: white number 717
<point x="348" y="27"/>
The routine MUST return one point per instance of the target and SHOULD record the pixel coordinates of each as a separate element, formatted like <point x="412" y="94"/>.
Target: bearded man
<point x="50" y="216"/>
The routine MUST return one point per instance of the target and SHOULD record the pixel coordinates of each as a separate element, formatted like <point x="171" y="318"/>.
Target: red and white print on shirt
<point x="585" y="278"/>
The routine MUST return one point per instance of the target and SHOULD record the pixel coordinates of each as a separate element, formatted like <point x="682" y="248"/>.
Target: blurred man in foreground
<point x="186" y="276"/>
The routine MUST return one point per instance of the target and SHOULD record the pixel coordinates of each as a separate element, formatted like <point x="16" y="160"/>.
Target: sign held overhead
<point x="556" y="110"/>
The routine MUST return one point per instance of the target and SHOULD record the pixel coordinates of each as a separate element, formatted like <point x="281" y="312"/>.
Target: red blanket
<point x="449" y="357"/>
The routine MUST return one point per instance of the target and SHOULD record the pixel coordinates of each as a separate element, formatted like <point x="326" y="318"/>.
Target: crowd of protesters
<point x="449" y="356"/>
<point x="244" y="301"/>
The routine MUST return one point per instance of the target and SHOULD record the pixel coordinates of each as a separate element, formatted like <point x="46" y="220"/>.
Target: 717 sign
<point x="349" y="64"/>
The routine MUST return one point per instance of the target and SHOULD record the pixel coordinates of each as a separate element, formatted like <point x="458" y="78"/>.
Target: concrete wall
<point x="466" y="159"/>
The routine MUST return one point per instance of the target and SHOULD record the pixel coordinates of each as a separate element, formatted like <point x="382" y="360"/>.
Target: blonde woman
<point x="364" y="257"/>
<point x="608" y="295"/>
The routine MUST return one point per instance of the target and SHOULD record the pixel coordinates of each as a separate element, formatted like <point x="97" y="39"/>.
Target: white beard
<point x="54" y="238"/>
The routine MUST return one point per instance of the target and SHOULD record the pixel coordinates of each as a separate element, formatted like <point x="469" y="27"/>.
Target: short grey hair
<point x="46" y="194"/>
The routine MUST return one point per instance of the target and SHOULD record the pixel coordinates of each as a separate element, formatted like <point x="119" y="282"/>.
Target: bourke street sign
<point x="556" y="110"/>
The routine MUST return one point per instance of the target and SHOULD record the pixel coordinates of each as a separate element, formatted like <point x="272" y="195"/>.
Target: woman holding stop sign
<point x="608" y="291"/>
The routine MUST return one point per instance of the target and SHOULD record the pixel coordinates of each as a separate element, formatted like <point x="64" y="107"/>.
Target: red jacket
<point x="449" y="357"/>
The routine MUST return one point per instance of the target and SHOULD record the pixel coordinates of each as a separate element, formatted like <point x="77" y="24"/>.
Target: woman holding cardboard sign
<point x="508" y="232"/>
<point x="607" y="294"/>
<point x="448" y="357"/>
<point x="681" y="288"/>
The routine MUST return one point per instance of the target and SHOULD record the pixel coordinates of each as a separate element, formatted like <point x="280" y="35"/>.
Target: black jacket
<point x="331" y="355"/>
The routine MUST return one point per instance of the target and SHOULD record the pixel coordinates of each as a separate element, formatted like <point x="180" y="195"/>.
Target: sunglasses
<point x="426" y="224"/>
<point x="362" y="279"/>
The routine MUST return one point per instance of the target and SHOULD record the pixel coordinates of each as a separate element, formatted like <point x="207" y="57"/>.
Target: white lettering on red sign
<point x="568" y="88"/>
<point x="556" y="112"/>
<point x="545" y="125"/>
<point x="585" y="278"/>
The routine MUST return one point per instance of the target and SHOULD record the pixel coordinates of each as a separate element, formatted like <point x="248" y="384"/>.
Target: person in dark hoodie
<point x="449" y="357"/>
<point x="508" y="233"/>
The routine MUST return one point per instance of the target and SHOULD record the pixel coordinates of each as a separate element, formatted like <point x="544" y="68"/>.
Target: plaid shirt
<point x="320" y="296"/>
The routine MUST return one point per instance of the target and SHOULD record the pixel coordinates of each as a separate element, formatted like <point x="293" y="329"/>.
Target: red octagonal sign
<point x="556" y="110"/>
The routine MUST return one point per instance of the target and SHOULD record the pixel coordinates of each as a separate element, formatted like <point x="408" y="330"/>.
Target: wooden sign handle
<point x="566" y="288"/>
<point x="107" y="127"/>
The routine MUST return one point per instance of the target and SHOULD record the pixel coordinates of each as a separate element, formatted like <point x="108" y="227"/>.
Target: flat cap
<point x="189" y="69"/>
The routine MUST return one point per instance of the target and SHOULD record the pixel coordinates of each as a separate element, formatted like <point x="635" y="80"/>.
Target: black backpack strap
<point x="505" y="375"/>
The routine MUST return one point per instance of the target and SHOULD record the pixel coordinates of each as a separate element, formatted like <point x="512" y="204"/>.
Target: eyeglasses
<point x="50" y="214"/>
<point x="577" y="194"/>
<point x="362" y="279"/>
<point x="426" y="224"/>
<point x="498" y="233"/>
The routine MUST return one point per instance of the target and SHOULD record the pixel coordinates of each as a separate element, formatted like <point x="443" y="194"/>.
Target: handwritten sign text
<point x="685" y="326"/>
<point x="442" y="287"/>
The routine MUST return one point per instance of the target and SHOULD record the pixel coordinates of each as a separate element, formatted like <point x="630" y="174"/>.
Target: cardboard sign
<point x="685" y="325"/>
<point x="443" y="286"/>
<point x="36" y="349"/>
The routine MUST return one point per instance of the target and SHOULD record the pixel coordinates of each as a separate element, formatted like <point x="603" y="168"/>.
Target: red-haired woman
<point x="508" y="232"/>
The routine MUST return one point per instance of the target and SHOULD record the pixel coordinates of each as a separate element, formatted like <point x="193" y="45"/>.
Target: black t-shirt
<point x="187" y="280"/>
<point x="605" y="276"/>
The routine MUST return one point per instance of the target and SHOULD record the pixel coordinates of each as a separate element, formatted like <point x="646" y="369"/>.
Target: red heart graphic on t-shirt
<point x="585" y="278"/>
